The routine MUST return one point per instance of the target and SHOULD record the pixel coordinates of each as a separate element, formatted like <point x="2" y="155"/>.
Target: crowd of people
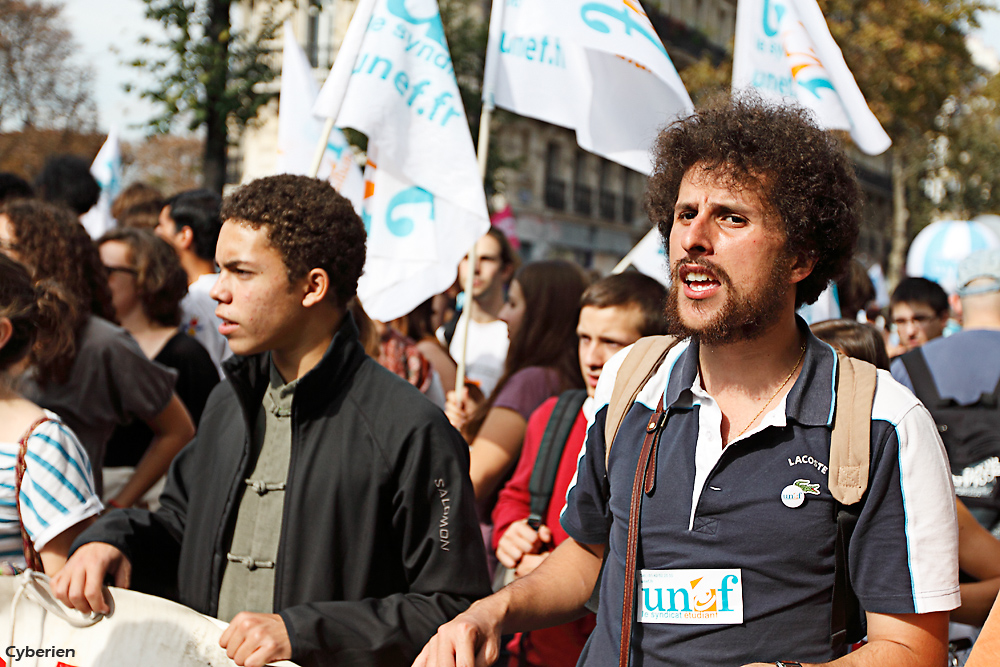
<point x="196" y="405"/>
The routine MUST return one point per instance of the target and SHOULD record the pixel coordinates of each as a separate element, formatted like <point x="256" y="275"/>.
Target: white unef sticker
<point x="692" y="597"/>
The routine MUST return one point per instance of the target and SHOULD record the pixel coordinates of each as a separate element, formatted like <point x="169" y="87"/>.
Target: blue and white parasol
<point x="937" y="250"/>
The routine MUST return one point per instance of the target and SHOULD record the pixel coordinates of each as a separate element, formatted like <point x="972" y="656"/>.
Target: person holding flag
<point x="325" y="508"/>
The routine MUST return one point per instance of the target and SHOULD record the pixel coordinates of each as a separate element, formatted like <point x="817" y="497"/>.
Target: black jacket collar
<point x="249" y="375"/>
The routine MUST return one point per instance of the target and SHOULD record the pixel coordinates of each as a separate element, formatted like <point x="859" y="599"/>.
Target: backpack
<point x="546" y="468"/>
<point x="971" y="436"/>
<point x="850" y="454"/>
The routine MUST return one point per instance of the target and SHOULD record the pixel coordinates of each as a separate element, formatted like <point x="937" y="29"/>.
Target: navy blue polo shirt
<point x="716" y="529"/>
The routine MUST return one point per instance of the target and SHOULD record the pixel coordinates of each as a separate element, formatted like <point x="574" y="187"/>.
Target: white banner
<point x="596" y="66"/>
<point x="299" y="131"/>
<point x="648" y="257"/>
<point x="424" y="203"/>
<point x="107" y="171"/>
<point x="785" y="51"/>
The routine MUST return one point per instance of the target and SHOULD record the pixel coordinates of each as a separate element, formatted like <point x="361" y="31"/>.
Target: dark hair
<point x="13" y="186"/>
<point x="419" y="321"/>
<point x="309" y="223"/>
<point x="799" y="170"/>
<point x="861" y="341"/>
<point x="199" y="210"/>
<point x="66" y="179"/>
<point x="136" y="197"/>
<point x="160" y="279"/>
<point x="41" y="318"/>
<point x="855" y="289"/>
<point x="508" y="256"/>
<point x="54" y="245"/>
<point x="547" y="335"/>
<point x="627" y="289"/>
<point x="920" y="290"/>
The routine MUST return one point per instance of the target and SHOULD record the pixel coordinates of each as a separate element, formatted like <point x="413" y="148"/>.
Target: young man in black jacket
<point x="325" y="506"/>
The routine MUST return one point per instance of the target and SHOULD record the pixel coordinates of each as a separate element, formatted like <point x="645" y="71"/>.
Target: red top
<point x="559" y="646"/>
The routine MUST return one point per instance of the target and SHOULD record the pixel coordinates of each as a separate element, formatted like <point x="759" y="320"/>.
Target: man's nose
<point x="697" y="235"/>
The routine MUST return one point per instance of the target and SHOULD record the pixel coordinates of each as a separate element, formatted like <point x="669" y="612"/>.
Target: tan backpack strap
<point x="640" y="364"/>
<point x="850" y="442"/>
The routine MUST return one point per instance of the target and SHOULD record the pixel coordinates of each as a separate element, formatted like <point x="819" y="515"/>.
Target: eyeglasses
<point x="121" y="269"/>
<point x="919" y="320"/>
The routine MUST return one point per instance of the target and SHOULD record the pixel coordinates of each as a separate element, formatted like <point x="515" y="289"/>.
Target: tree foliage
<point x="209" y="73"/>
<point x="960" y="177"/>
<point x="41" y="83"/>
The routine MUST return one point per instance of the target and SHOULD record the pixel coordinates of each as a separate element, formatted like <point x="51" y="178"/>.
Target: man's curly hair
<point x="799" y="170"/>
<point x="309" y="223"/>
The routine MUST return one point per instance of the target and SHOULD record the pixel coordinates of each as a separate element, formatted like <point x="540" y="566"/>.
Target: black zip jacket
<point x="379" y="538"/>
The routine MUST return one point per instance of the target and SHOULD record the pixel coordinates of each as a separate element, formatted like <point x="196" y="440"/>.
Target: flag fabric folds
<point x="424" y="202"/>
<point x="596" y="66"/>
<point x="648" y="257"/>
<point x="785" y="51"/>
<point x="299" y="131"/>
<point x="107" y="171"/>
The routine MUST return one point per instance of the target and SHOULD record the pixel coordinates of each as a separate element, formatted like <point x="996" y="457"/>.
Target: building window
<point x="555" y="187"/>
<point x="583" y="194"/>
<point x="628" y="201"/>
<point x="607" y="201"/>
<point x="312" y="35"/>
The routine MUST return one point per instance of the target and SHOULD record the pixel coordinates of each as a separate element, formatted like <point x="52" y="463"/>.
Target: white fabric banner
<point x="649" y="257"/>
<point x="299" y="131"/>
<point x="424" y="201"/>
<point x="594" y="66"/>
<point x="107" y="171"/>
<point x="785" y="51"/>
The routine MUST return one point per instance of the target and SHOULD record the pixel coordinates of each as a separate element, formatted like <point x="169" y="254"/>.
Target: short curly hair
<point x="159" y="279"/>
<point x="309" y="223"/>
<point x="799" y="169"/>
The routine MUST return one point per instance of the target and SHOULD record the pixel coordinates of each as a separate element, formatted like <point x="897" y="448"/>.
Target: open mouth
<point x="699" y="281"/>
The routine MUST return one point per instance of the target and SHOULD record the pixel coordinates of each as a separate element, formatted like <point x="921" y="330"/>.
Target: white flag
<point x="299" y="131"/>
<point x="107" y="171"/>
<point x="785" y="51"/>
<point x="648" y="257"/>
<point x="424" y="204"/>
<point x="596" y="66"/>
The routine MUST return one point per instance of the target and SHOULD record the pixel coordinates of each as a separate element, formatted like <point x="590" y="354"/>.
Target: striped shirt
<point x="57" y="490"/>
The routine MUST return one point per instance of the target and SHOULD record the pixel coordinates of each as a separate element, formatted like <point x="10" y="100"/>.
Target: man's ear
<point x="6" y="331"/>
<point x="955" y="302"/>
<point x="802" y="267"/>
<point x="316" y="286"/>
<point x="185" y="237"/>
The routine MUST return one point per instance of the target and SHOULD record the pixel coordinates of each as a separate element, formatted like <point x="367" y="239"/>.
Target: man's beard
<point x="743" y="316"/>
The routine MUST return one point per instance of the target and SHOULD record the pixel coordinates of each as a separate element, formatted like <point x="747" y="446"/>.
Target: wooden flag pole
<point x="482" y="153"/>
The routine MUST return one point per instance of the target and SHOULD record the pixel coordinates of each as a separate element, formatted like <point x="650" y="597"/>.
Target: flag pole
<point x="352" y="42"/>
<point x="482" y="153"/>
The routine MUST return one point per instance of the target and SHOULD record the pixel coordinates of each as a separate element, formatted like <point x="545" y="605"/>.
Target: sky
<point x="108" y="31"/>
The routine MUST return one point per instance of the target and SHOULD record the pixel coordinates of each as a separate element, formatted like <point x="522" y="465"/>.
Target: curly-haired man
<point x="736" y="560"/>
<point x="325" y="506"/>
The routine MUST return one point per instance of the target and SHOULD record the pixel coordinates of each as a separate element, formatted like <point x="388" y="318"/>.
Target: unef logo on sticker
<point x="692" y="597"/>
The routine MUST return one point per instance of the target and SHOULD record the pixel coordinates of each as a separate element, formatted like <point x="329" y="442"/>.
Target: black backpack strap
<point x="848" y="622"/>
<point x="921" y="378"/>
<point x="543" y="475"/>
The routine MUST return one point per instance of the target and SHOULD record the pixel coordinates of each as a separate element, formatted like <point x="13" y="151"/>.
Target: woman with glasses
<point x="103" y="379"/>
<point x="147" y="284"/>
